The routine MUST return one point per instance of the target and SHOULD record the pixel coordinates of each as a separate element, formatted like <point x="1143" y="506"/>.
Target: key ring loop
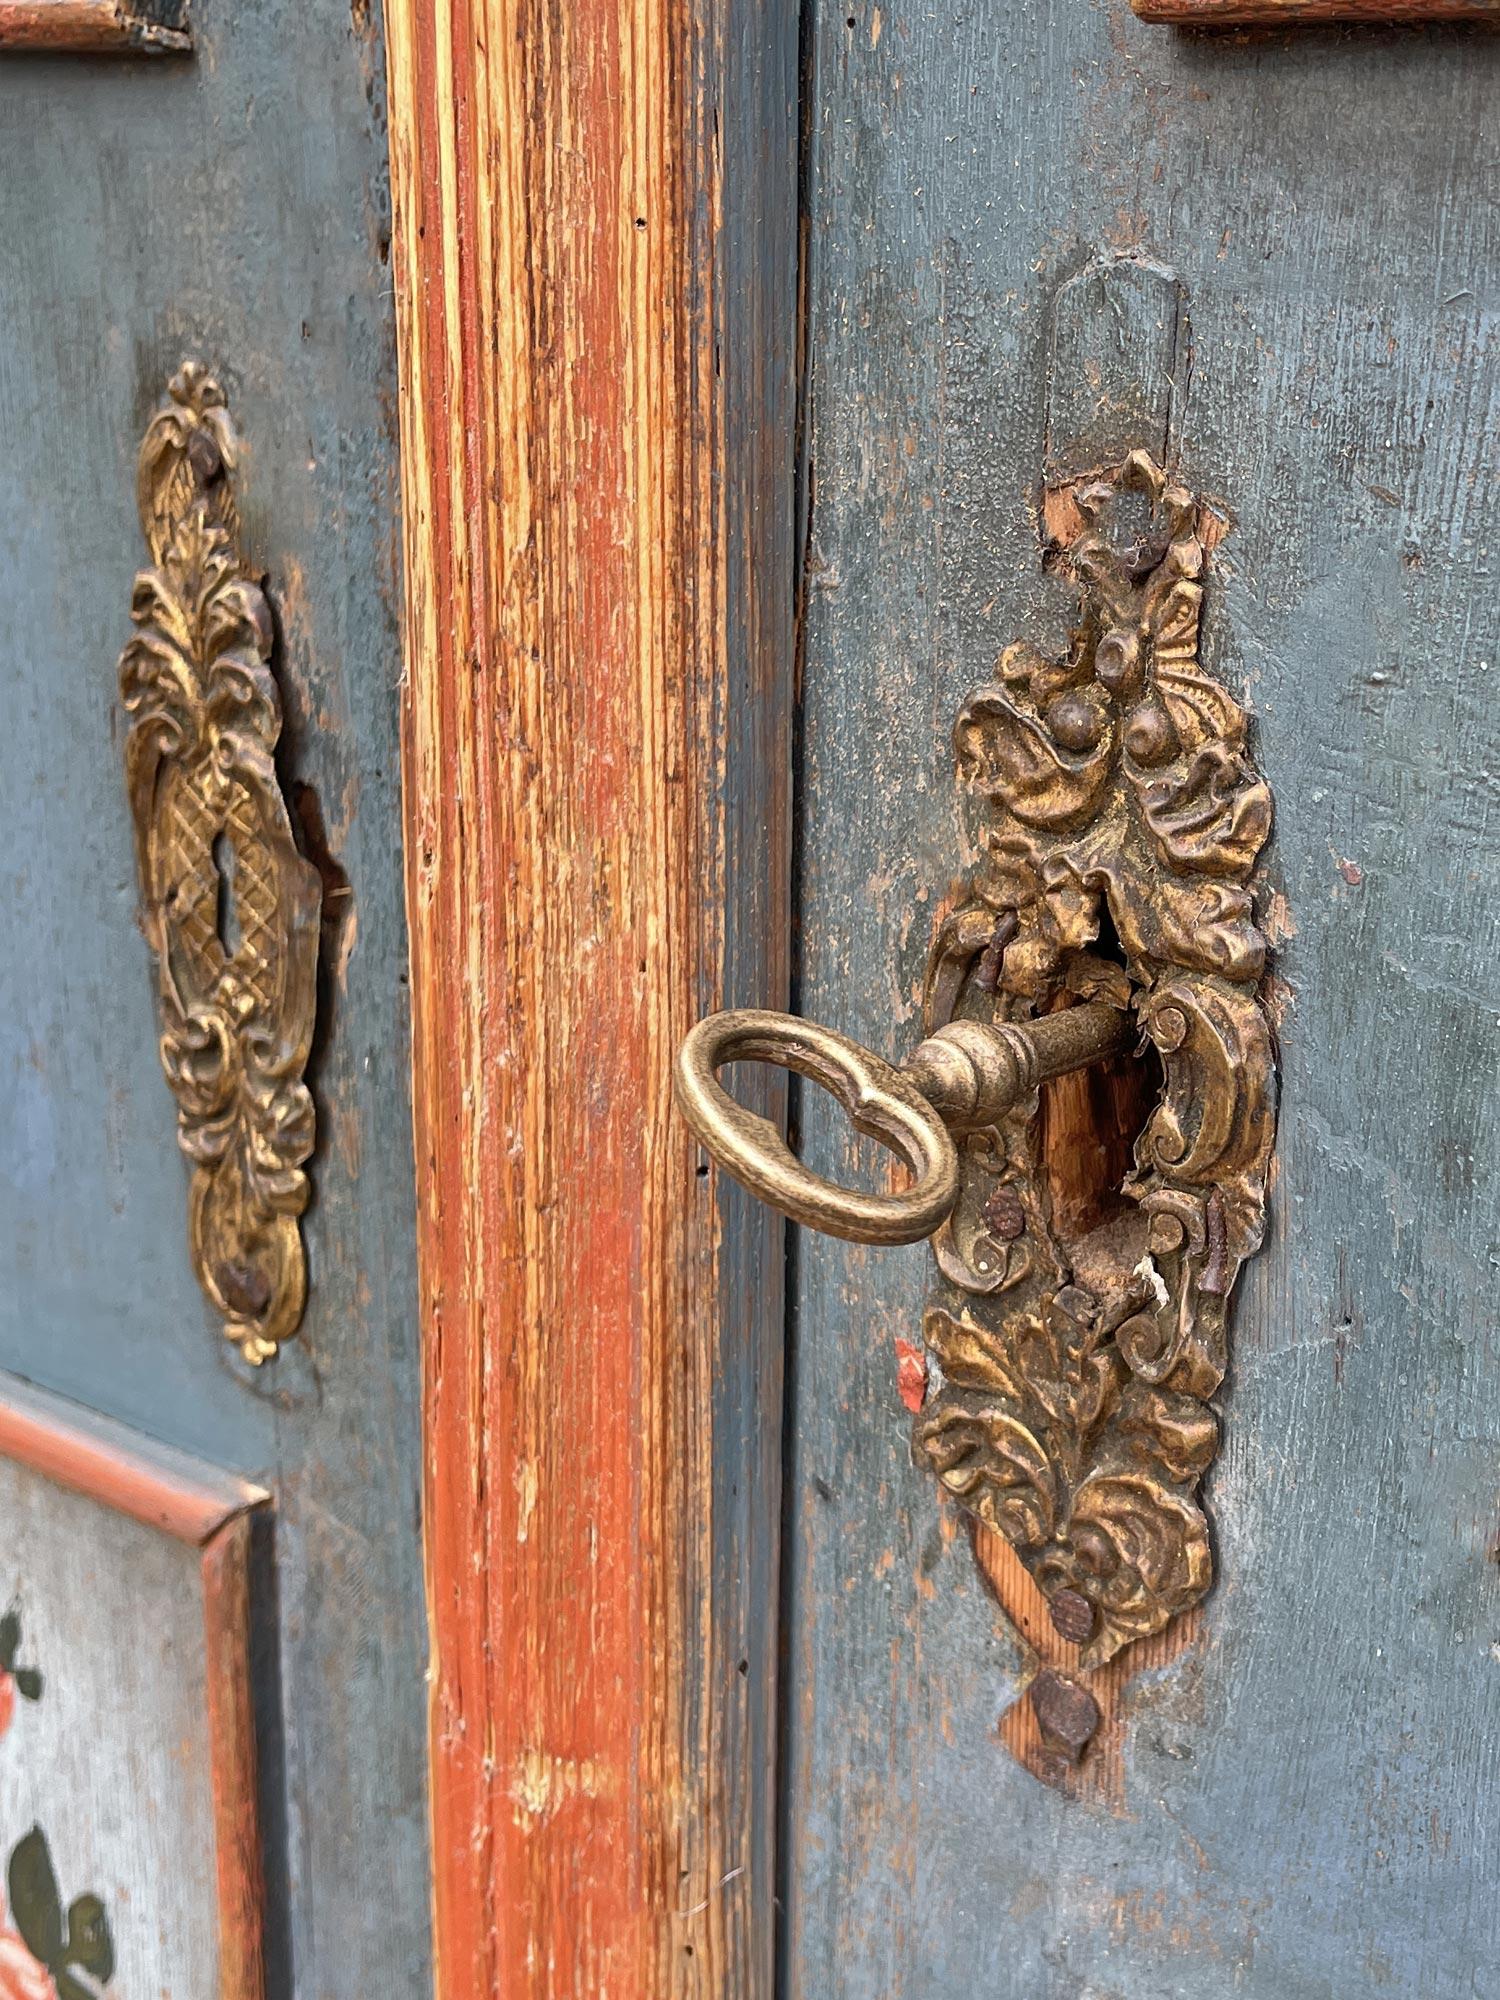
<point x="881" y="1103"/>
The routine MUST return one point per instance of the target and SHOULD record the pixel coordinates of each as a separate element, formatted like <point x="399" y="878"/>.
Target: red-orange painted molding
<point x="595" y="208"/>
<point x="213" y="1513"/>
<point x="92" y="27"/>
<point x="1311" y="13"/>
<point x="91" y="1455"/>
<point x="238" y="1856"/>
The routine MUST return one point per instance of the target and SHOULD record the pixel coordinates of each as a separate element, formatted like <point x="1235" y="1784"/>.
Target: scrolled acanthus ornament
<point x="230" y="907"/>
<point x="1071" y="1365"/>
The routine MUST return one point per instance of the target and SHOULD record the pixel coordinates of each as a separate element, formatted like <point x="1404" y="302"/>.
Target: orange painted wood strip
<point x="231" y="1734"/>
<point x="93" y="1457"/>
<point x="1310" y="13"/>
<point x="598" y="633"/>
<point x="88" y="27"/>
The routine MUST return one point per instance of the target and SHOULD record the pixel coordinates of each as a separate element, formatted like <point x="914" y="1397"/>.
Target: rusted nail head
<point x="1073" y="1616"/>
<point x="1067" y="1712"/>
<point x="1005" y="1215"/>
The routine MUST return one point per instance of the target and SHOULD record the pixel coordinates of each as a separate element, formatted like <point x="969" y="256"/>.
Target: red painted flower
<point x="22" y="1977"/>
<point x="15" y="1679"/>
<point x="911" y="1375"/>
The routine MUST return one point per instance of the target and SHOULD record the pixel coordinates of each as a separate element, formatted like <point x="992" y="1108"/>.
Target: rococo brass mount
<point x="230" y="907"/>
<point x="1070" y="1355"/>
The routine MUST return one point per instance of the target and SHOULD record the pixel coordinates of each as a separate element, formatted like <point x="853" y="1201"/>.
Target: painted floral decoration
<point x="15" y="1680"/>
<point x="46" y="1952"/>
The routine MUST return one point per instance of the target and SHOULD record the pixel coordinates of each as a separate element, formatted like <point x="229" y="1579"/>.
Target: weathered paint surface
<point x="1306" y="1799"/>
<point x="595" y="258"/>
<point x="1310" y="13"/>
<point x="126" y="1706"/>
<point x="113" y="1760"/>
<point x="230" y="207"/>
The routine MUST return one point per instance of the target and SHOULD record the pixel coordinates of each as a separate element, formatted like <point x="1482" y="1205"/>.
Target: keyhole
<point x="1090" y="1121"/>
<point x="226" y="915"/>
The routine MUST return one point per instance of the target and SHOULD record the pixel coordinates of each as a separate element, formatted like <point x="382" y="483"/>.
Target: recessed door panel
<point x="1294" y="1798"/>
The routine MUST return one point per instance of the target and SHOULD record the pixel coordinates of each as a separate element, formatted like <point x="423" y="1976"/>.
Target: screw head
<point x="1167" y="1234"/>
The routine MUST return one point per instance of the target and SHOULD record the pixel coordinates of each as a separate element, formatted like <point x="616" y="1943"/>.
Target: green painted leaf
<point x="89" y="1942"/>
<point x="10" y="1638"/>
<point x="36" y="1906"/>
<point x="69" y="1988"/>
<point x="28" y="1683"/>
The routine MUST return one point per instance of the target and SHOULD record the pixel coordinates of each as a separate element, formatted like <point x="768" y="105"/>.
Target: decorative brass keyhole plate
<point x="1076" y="1346"/>
<point x="1105" y="942"/>
<point x="229" y="905"/>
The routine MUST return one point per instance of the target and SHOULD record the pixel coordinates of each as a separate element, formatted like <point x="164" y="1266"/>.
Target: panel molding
<point x="95" y="27"/>
<point x="214" y="1513"/>
<point x="595" y="254"/>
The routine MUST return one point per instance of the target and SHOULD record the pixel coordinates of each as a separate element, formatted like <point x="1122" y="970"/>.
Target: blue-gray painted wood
<point x="744" y="274"/>
<point x="1309" y="1794"/>
<point x="232" y="207"/>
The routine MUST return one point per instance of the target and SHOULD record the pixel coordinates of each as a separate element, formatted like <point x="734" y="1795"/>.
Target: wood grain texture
<point x="1315" y="13"/>
<point x="1306" y="1797"/>
<point x="228" y="1615"/>
<point x="595" y="259"/>
<point x="1311" y="13"/>
<point x="92" y="27"/>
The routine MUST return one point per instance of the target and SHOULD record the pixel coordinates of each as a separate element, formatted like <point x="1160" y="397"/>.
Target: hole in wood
<point x="1089" y="1122"/>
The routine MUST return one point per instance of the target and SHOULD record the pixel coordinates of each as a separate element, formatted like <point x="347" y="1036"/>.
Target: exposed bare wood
<point x="1099" y="1774"/>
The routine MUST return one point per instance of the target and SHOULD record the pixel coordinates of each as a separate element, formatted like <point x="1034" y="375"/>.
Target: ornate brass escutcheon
<point x="229" y="906"/>
<point x="1077" y="1336"/>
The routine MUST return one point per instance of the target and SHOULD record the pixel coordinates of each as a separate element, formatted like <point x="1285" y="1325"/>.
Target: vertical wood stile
<point x="595" y="266"/>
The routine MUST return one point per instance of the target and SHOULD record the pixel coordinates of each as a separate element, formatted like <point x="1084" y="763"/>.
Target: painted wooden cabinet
<point x="522" y="528"/>
<point x="229" y="208"/>
<point x="1296" y="1797"/>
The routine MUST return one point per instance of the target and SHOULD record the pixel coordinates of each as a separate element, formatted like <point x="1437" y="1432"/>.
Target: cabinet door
<point x="1296" y="1796"/>
<point x="228" y="207"/>
<point x="1051" y="260"/>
